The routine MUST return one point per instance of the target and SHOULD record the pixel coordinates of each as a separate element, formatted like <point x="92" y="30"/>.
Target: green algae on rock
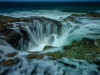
<point x="9" y="62"/>
<point x="93" y="14"/>
<point x="12" y="54"/>
<point x="90" y="14"/>
<point x="47" y="47"/>
<point x="84" y="49"/>
<point x="97" y="41"/>
<point x="32" y="56"/>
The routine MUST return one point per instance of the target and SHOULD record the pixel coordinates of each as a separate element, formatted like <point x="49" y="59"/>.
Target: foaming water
<point x="45" y="66"/>
<point x="53" y="14"/>
<point x="45" y="32"/>
<point x="76" y="31"/>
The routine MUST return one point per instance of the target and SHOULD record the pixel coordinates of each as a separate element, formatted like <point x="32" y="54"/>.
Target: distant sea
<point x="47" y="9"/>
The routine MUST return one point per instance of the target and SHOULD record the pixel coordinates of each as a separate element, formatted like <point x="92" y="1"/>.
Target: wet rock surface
<point x="34" y="56"/>
<point x="13" y="33"/>
<point x="47" y="47"/>
<point x="9" y="62"/>
<point x="12" y="54"/>
<point x="90" y="14"/>
<point x="84" y="49"/>
<point x="12" y="37"/>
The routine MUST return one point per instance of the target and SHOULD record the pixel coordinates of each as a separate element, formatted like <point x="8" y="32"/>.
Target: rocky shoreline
<point x="85" y="49"/>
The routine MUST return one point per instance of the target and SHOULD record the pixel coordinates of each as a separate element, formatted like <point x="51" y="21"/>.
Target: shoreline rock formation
<point x="85" y="49"/>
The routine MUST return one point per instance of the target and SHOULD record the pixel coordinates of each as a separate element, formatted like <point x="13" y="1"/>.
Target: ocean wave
<point x="53" y="14"/>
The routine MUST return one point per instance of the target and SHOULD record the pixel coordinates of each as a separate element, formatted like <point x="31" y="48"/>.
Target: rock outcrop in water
<point x="12" y="54"/>
<point x="12" y="30"/>
<point x="47" y="47"/>
<point x="90" y="14"/>
<point x="84" y="49"/>
<point x="9" y="62"/>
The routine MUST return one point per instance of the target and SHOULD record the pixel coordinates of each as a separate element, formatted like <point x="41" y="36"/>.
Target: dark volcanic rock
<point x="12" y="37"/>
<point x="2" y="27"/>
<point x="24" y="33"/>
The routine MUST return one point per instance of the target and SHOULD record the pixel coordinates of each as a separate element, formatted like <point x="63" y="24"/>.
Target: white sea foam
<point x="54" y="14"/>
<point x="98" y="11"/>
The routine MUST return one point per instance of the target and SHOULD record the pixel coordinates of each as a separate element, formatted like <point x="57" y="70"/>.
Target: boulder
<point x="24" y="33"/>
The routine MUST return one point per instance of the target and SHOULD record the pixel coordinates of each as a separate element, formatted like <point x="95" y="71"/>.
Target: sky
<point x="47" y="0"/>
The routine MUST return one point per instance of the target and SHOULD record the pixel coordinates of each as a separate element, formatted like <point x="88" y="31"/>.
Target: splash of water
<point x="42" y="32"/>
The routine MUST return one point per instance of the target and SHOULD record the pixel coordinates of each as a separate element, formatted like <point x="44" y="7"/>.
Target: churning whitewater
<point x="43" y="32"/>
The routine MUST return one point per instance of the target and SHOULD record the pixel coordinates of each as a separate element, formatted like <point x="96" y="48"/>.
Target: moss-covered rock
<point x="84" y="49"/>
<point x="68" y="47"/>
<point x="90" y="14"/>
<point x="97" y="41"/>
<point x="32" y="56"/>
<point x="9" y="62"/>
<point x="93" y="14"/>
<point x="78" y="15"/>
<point x="7" y="19"/>
<point x="85" y="42"/>
<point x="47" y="47"/>
<point x="54" y="55"/>
<point x="12" y="54"/>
